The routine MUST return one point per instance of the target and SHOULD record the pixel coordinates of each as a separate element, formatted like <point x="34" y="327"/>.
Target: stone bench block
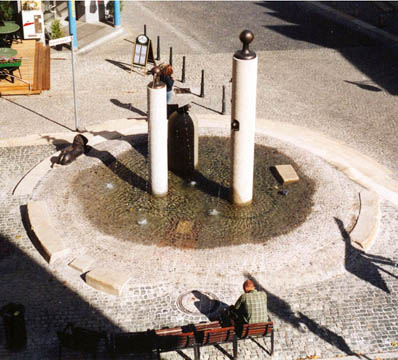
<point x="83" y="263"/>
<point x="107" y="280"/>
<point x="51" y="243"/>
<point x="287" y="174"/>
<point x="368" y="221"/>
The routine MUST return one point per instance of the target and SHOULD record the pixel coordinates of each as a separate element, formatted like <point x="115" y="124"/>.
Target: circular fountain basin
<point x="101" y="206"/>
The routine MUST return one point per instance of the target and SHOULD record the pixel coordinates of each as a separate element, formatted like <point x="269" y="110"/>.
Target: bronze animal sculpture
<point x="70" y="153"/>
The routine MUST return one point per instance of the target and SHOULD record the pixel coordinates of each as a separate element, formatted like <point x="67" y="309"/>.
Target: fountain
<point x="205" y="213"/>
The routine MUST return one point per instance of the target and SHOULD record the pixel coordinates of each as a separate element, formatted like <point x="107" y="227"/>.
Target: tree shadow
<point x="282" y="310"/>
<point x="26" y="282"/>
<point x="128" y="106"/>
<point x="306" y="25"/>
<point x="362" y="265"/>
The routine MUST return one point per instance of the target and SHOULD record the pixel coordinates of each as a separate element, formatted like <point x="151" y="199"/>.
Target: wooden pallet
<point x="35" y="69"/>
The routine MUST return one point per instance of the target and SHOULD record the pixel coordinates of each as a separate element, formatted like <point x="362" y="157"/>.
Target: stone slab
<point x="107" y="280"/>
<point x="83" y="263"/>
<point x="367" y="225"/>
<point x="287" y="174"/>
<point x="51" y="243"/>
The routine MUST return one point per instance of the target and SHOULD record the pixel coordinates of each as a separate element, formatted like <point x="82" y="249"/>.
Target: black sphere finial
<point x="246" y="37"/>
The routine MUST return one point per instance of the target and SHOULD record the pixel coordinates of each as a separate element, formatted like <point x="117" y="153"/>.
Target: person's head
<point x="248" y="285"/>
<point x="168" y="70"/>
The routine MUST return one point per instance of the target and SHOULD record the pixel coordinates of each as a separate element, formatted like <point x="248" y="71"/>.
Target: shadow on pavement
<point x="364" y="86"/>
<point x="282" y="310"/>
<point x="128" y="106"/>
<point x="207" y="306"/>
<point x="119" y="64"/>
<point x="38" y="114"/>
<point x="362" y="265"/>
<point x="370" y="57"/>
<point x="49" y="303"/>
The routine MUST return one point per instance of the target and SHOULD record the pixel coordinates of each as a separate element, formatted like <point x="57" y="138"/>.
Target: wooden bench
<point x="192" y="336"/>
<point x="80" y="339"/>
<point x="184" y="337"/>
<point x="216" y="337"/>
<point x="265" y="329"/>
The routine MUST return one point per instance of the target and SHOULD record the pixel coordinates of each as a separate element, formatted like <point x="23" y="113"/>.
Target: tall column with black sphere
<point x="243" y="121"/>
<point x="157" y="135"/>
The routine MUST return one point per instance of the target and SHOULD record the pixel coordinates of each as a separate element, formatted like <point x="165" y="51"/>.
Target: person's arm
<point x="238" y="303"/>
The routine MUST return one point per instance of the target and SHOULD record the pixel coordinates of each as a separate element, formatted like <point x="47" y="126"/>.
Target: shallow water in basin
<point x="196" y="212"/>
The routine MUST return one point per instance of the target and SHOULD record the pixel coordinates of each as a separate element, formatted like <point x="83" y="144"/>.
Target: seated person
<point x="251" y="307"/>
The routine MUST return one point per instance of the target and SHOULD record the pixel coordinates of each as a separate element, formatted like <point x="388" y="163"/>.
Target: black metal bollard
<point x="202" y="85"/>
<point x="158" y="48"/>
<point x="183" y="70"/>
<point x="171" y="56"/>
<point x="14" y="326"/>
<point x="223" y="105"/>
<point x="144" y="29"/>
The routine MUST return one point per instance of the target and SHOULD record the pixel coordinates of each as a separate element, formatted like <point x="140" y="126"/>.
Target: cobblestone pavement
<point x="355" y="312"/>
<point x="352" y="313"/>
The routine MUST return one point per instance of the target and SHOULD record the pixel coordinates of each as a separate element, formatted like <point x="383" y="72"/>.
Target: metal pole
<point x="74" y="87"/>
<point x="183" y="70"/>
<point x="171" y="56"/>
<point x="223" y="105"/>
<point x="72" y="22"/>
<point x="144" y="29"/>
<point x="116" y="12"/>
<point x="202" y="85"/>
<point x="158" y="49"/>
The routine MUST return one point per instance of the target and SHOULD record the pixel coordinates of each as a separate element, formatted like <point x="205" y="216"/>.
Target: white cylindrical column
<point x="157" y="138"/>
<point x="243" y="121"/>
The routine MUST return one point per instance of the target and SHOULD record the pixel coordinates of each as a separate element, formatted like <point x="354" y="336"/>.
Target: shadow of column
<point x="360" y="264"/>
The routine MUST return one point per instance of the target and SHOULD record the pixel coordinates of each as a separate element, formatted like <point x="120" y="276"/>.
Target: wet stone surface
<point x="196" y="213"/>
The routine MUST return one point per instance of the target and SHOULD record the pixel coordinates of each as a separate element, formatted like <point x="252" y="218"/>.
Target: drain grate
<point x="198" y="302"/>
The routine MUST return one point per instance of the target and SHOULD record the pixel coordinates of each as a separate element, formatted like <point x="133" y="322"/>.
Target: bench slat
<point x="218" y="335"/>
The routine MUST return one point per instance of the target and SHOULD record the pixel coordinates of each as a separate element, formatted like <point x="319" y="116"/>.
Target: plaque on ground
<point x="287" y="174"/>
